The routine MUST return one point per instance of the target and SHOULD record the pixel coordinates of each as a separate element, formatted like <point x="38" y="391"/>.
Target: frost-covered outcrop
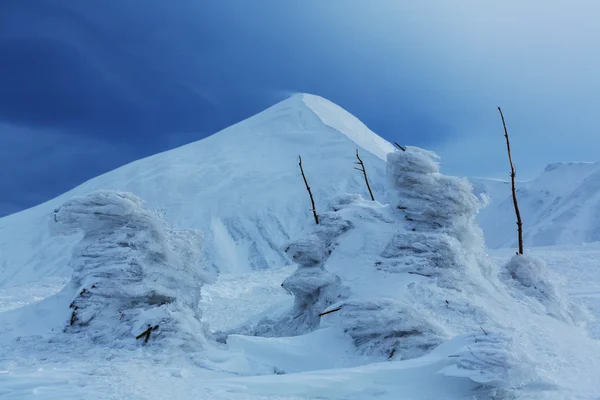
<point x="131" y="272"/>
<point x="387" y="328"/>
<point x="313" y="287"/>
<point x="434" y="255"/>
<point x="529" y="279"/>
<point x="440" y="232"/>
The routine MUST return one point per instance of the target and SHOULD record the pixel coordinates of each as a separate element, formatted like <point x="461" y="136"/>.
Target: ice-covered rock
<point x="313" y="287"/>
<point x="529" y="279"/>
<point x="132" y="273"/>
<point x="386" y="328"/>
<point x="439" y="212"/>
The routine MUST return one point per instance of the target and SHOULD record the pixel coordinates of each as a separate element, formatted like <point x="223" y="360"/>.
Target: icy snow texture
<point x="386" y="328"/>
<point x="441" y="237"/>
<point x="130" y="270"/>
<point x="528" y="276"/>
<point x="313" y="287"/>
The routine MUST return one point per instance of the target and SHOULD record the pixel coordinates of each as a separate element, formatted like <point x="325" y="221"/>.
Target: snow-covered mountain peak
<point x="339" y="119"/>
<point x="570" y="165"/>
<point x="300" y="110"/>
<point x="241" y="186"/>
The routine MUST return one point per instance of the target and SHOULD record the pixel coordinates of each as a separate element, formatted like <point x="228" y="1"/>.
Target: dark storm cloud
<point x="134" y="77"/>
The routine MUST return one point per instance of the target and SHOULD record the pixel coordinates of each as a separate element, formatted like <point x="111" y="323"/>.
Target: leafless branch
<point x="331" y="311"/>
<point x="514" y="190"/>
<point x="312" y="200"/>
<point x="400" y="147"/>
<point x="364" y="171"/>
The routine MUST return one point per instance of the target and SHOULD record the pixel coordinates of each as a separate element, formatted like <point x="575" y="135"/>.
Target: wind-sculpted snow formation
<point x="402" y="279"/>
<point x="131" y="272"/>
<point x="313" y="287"/>
<point x="529" y="279"/>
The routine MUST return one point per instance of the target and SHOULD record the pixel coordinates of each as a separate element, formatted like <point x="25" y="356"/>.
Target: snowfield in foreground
<point x="232" y="292"/>
<point x="143" y="374"/>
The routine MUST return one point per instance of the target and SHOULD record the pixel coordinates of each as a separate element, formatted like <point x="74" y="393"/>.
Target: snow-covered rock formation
<point x="529" y="279"/>
<point x="412" y="276"/>
<point x="131" y="272"/>
<point x="402" y="279"/>
<point x="313" y="287"/>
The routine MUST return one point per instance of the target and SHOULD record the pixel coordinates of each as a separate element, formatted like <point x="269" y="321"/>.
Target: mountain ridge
<point x="240" y="186"/>
<point x="559" y="207"/>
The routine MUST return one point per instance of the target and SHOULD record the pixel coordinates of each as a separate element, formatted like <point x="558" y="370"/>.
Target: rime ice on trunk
<point x="438" y="211"/>
<point x="313" y="287"/>
<point x="131" y="271"/>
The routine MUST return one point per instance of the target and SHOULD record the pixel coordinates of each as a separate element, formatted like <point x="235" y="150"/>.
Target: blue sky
<point x="87" y="86"/>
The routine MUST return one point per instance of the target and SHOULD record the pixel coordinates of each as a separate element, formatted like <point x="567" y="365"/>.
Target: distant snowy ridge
<point x="241" y="187"/>
<point x="560" y="207"/>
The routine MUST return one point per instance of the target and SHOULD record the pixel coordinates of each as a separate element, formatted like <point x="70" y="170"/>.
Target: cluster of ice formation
<point x="313" y="287"/>
<point x="529" y="279"/>
<point x="439" y="213"/>
<point x="132" y="274"/>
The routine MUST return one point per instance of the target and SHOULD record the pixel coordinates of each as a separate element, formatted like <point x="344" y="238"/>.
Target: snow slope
<point x="241" y="187"/>
<point x="561" y="206"/>
<point x="424" y="313"/>
<point x="392" y="299"/>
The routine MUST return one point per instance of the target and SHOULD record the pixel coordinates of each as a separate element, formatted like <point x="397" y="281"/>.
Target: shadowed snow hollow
<point x="241" y="187"/>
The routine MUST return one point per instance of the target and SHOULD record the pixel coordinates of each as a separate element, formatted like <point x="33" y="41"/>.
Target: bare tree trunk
<point x="400" y="147"/>
<point x="364" y="171"/>
<point x="314" y="209"/>
<point x="514" y="190"/>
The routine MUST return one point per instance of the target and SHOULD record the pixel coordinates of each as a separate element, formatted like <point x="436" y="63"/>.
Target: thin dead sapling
<point x="364" y="171"/>
<point x="514" y="190"/>
<point x="312" y="200"/>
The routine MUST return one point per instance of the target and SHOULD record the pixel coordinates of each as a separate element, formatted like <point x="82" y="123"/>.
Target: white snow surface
<point x="560" y="207"/>
<point x="241" y="187"/>
<point x="418" y="309"/>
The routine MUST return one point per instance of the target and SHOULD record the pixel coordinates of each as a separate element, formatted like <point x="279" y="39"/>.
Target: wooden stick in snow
<point x="146" y="333"/>
<point x="400" y="147"/>
<point x="364" y="171"/>
<point x="312" y="201"/>
<point x="330" y="311"/>
<point x="514" y="190"/>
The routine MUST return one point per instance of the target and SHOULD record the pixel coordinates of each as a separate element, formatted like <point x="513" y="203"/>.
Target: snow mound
<point x="131" y="272"/>
<point x="529" y="277"/>
<point x="385" y="328"/>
